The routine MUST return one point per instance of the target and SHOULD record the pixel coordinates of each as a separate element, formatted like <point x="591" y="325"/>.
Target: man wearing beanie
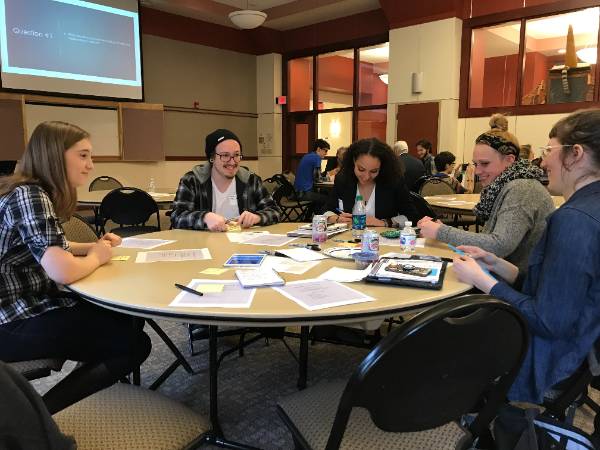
<point x="212" y="195"/>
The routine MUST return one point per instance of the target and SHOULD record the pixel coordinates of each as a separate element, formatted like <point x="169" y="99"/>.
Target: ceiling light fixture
<point x="247" y="19"/>
<point x="588" y="54"/>
<point x="384" y="77"/>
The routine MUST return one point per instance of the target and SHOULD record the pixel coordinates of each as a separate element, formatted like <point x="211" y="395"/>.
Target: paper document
<point x="232" y="295"/>
<point x="146" y="244"/>
<point x="258" y="277"/>
<point x="320" y="294"/>
<point x="288" y="265"/>
<point x="214" y="271"/>
<point x="302" y="254"/>
<point x="241" y="237"/>
<point x="345" y="275"/>
<point x="159" y="194"/>
<point x="273" y="240"/>
<point x="192" y="254"/>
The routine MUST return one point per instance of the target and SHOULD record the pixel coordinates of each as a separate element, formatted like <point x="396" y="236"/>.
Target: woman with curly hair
<point x="371" y="169"/>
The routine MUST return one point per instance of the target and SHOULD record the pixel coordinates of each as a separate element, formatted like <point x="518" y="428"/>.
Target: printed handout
<point x="320" y="294"/>
<point x="232" y="295"/>
<point x="146" y="244"/>
<point x="192" y="254"/>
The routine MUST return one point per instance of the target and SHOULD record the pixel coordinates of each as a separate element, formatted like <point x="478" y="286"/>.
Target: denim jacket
<point x="561" y="296"/>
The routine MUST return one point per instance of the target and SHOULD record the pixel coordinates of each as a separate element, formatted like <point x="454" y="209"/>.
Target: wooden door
<point x="418" y="121"/>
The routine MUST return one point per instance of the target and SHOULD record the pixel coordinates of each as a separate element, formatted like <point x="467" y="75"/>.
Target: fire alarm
<point x="281" y="100"/>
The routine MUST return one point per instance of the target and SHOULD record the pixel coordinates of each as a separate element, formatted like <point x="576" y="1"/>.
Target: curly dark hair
<point x="390" y="171"/>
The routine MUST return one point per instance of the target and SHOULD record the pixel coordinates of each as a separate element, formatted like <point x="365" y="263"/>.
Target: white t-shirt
<point x="225" y="203"/>
<point x="370" y="206"/>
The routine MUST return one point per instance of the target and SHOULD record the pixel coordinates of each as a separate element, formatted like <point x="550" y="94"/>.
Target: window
<point x="373" y="75"/>
<point x="371" y="123"/>
<point x="335" y="79"/>
<point x="520" y="65"/>
<point x="300" y="80"/>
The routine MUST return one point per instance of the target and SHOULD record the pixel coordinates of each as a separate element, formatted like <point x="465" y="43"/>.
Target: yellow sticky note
<point x="120" y="258"/>
<point x="233" y="226"/>
<point x="213" y="271"/>
<point x="210" y="288"/>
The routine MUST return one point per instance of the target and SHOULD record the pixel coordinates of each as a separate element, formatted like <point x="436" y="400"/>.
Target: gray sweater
<point x="515" y="224"/>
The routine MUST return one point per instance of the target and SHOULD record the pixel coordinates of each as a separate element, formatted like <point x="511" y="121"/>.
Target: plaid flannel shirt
<point x="194" y="198"/>
<point x="28" y="226"/>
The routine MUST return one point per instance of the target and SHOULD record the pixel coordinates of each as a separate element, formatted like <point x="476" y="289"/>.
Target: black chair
<point x="458" y="357"/>
<point x="286" y="197"/>
<point x="104" y="183"/>
<point x="423" y="208"/>
<point x="131" y="208"/>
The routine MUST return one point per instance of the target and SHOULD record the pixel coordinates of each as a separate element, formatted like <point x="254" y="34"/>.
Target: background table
<point x="94" y="198"/>
<point x="464" y="203"/>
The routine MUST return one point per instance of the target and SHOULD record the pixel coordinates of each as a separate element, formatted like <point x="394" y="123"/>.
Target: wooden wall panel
<point x="12" y="127"/>
<point x="142" y="133"/>
<point x="418" y="121"/>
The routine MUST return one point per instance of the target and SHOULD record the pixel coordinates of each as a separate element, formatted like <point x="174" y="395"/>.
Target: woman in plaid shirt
<point x="38" y="319"/>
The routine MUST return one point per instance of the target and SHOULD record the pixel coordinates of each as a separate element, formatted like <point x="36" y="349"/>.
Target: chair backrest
<point x="423" y="208"/>
<point x="435" y="186"/>
<point x="439" y="365"/>
<point x="270" y="185"/>
<point x="104" y="183"/>
<point x="128" y="206"/>
<point x="78" y="230"/>
<point x="288" y="187"/>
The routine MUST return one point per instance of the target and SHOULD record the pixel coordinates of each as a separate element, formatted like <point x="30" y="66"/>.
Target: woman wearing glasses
<point x="560" y="295"/>
<point x="513" y="204"/>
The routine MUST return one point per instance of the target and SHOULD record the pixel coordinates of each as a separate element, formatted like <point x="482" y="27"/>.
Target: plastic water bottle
<point x="151" y="185"/>
<point x="359" y="217"/>
<point x="408" y="238"/>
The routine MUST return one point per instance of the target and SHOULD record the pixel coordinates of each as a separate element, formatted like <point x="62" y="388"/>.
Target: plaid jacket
<point x="194" y="198"/>
<point x="28" y="226"/>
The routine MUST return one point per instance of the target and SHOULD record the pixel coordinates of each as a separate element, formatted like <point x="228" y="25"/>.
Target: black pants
<point x="108" y="344"/>
<point x="318" y="202"/>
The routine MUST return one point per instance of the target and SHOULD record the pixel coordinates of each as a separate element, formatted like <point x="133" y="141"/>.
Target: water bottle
<point x="151" y="185"/>
<point x="359" y="217"/>
<point x="408" y="238"/>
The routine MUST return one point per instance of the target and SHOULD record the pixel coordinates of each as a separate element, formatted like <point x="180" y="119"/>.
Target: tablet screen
<point x="245" y="260"/>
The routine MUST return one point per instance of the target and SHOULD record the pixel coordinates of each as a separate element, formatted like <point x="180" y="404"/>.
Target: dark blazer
<point x="413" y="170"/>
<point x="390" y="200"/>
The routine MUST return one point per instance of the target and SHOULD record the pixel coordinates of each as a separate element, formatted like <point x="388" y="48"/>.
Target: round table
<point x="145" y="290"/>
<point x="464" y="203"/>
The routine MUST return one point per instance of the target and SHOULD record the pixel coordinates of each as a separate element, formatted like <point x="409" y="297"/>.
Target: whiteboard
<point x="102" y="124"/>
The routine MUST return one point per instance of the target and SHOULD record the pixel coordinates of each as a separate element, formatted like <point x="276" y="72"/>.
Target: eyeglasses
<point x="226" y="157"/>
<point x="546" y="149"/>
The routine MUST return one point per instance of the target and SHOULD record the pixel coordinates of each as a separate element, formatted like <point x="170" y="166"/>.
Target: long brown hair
<point x="43" y="163"/>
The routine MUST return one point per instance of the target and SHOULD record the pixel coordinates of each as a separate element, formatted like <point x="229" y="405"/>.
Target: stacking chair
<point x="77" y="229"/>
<point x="458" y="357"/>
<point x="423" y="208"/>
<point x="37" y="368"/>
<point x="121" y="417"/>
<point x="102" y="183"/>
<point x="437" y="186"/>
<point x="293" y="209"/>
<point x="131" y="208"/>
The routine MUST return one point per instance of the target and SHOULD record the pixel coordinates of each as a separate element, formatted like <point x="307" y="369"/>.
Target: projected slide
<point x="70" y="39"/>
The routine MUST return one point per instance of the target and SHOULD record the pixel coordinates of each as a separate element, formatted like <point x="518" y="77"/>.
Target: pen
<point x="187" y="289"/>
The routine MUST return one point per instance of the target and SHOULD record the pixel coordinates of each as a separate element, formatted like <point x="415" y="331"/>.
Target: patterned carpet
<point x="249" y="387"/>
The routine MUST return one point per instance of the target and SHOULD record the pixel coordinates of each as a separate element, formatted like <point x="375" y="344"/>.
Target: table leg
<point x="303" y="366"/>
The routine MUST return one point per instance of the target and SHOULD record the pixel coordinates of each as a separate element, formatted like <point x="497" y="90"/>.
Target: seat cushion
<point x="128" y="417"/>
<point x="313" y="410"/>
<point x="37" y="368"/>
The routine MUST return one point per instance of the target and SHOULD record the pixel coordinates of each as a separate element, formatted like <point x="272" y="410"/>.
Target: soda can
<point x="370" y="242"/>
<point x="319" y="229"/>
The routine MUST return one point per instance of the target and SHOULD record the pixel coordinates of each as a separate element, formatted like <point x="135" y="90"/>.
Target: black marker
<point x="187" y="289"/>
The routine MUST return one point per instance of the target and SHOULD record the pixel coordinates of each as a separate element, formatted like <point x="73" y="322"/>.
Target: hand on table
<point x="469" y="271"/>
<point x="215" y="222"/>
<point x="102" y="250"/>
<point x="113" y="239"/>
<point x="344" y="217"/>
<point x="485" y="259"/>
<point x="248" y="219"/>
<point x="429" y="227"/>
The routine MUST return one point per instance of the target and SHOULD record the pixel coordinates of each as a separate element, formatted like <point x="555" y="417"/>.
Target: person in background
<point x="38" y="317"/>
<point x="413" y="167"/>
<point x="371" y="169"/>
<point x="526" y="153"/>
<point x="424" y="154"/>
<point x="559" y="294"/>
<point x="216" y="195"/>
<point x="445" y="165"/>
<point x="513" y="204"/>
<point x="334" y="165"/>
<point x="310" y="164"/>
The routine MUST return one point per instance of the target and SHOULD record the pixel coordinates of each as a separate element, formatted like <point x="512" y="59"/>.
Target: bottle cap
<point x="359" y="197"/>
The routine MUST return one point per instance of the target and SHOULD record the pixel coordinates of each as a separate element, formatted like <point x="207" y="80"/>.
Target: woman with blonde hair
<point x="39" y="318"/>
<point x="513" y="204"/>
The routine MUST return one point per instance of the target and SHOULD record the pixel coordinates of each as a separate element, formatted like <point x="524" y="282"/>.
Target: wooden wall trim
<point x="210" y="112"/>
